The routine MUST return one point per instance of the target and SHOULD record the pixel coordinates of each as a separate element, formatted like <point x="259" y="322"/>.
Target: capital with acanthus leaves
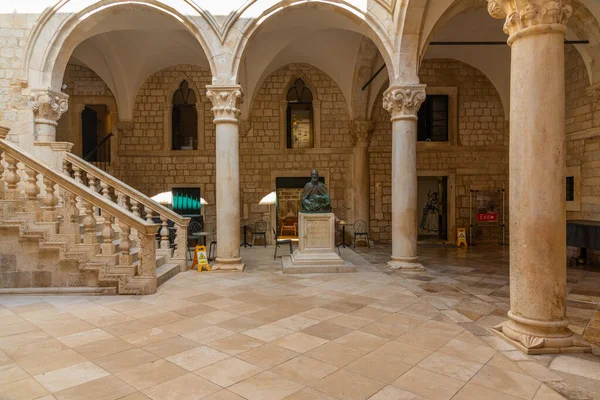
<point x="361" y="131"/>
<point x="226" y="101"/>
<point x="404" y="101"/>
<point x="521" y="14"/>
<point x="48" y="105"/>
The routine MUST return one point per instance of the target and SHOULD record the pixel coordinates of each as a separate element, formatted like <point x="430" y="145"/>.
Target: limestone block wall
<point x="477" y="159"/>
<point x="583" y="140"/>
<point x="262" y="147"/>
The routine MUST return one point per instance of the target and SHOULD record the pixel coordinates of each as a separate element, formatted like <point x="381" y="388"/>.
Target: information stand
<point x="200" y="258"/>
<point x="487" y="210"/>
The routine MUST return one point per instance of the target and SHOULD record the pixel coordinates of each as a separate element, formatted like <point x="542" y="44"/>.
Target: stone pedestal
<point x="316" y="247"/>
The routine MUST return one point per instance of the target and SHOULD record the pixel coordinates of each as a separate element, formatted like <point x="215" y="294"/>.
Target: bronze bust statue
<point x="315" y="198"/>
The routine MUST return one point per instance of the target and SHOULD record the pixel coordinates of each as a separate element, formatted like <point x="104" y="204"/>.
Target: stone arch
<point x="363" y="70"/>
<point x="370" y="27"/>
<point x="168" y="111"/>
<point x="53" y="40"/>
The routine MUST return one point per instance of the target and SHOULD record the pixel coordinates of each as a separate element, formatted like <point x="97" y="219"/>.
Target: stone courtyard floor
<point x="375" y="334"/>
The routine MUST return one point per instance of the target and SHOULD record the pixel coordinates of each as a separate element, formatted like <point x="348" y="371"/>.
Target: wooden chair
<point x="360" y="229"/>
<point x="281" y="241"/>
<point x="289" y="224"/>
<point x="260" y="230"/>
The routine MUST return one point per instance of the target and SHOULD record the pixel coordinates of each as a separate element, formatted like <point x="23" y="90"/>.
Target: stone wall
<point x="583" y="138"/>
<point x="478" y="159"/>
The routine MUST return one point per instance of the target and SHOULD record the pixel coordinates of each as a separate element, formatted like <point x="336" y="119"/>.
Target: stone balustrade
<point x="140" y="205"/>
<point x="54" y="200"/>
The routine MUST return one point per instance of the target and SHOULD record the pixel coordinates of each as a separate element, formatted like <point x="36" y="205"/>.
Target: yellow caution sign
<point x="200" y="258"/>
<point x="461" y="237"/>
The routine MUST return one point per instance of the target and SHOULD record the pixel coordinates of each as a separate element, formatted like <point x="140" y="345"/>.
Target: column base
<point x="540" y="337"/>
<point x="228" y="264"/>
<point x="405" y="264"/>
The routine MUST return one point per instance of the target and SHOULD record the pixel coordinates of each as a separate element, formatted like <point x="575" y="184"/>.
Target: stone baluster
<point x="125" y="245"/>
<point x="149" y="214"/>
<point x="74" y="214"/>
<point x="135" y="209"/>
<point x="105" y="190"/>
<point x="11" y="178"/>
<point x="32" y="190"/>
<point x="89" y="224"/>
<point x="108" y="234"/>
<point x="77" y="178"/>
<point x="93" y="188"/>
<point x="50" y="200"/>
<point x="66" y="167"/>
<point x="164" y="233"/>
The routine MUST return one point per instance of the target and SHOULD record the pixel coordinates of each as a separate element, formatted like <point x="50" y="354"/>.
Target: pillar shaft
<point x="226" y="100"/>
<point x="361" y="136"/>
<point x="403" y="103"/>
<point x="538" y="322"/>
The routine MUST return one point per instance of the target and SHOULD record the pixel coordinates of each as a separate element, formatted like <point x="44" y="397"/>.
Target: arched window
<point x="299" y="117"/>
<point x="184" y="120"/>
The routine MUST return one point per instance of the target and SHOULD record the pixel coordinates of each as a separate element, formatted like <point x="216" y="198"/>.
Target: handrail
<point x="127" y="190"/>
<point x="80" y="190"/>
<point x="95" y="149"/>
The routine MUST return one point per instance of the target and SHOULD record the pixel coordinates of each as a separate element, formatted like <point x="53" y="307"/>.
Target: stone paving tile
<point x="380" y="333"/>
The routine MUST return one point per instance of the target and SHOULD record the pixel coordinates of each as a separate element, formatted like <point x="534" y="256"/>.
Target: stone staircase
<point x="60" y="234"/>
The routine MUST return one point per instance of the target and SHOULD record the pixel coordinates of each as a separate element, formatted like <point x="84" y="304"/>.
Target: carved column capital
<point x="523" y="14"/>
<point x="404" y="101"/>
<point x="361" y="131"/>
<point x="226" y="101"/>
<point x="48" y="105"/>
<point x="594" y="93"/>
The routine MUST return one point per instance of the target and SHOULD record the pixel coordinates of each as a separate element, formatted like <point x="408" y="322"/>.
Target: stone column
<point x="537" y="318"/>
<point x="361" y="136"/>
<point x="226" y="101"/>
<point x="47" y="106"/>
<point x="403" y="103"/>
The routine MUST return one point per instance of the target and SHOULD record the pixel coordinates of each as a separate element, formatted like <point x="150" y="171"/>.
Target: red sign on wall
<point x="487" y="217"/>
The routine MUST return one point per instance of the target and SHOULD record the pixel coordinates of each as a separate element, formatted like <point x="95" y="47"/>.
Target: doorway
<point x="289" y="193"/>
<point x="95" y="133"/>
<point x="432" y="206"/>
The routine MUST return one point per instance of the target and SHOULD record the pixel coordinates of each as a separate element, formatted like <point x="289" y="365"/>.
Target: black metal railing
<point x="100" y="155"/>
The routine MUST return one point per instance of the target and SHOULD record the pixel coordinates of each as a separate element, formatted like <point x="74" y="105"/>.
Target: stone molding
<point x="594" y="93"/>
<point x="361" y="132"/>
<point x="404" y="101"/>
<point x="226" y="101"/>
<point x="48" y="105"/>
<point x="126" y="128"/>
<point x="523" y="14"/>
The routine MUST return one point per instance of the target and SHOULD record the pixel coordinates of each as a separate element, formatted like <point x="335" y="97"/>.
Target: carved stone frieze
<point x="401" y="101"/>
<point x="48" y="105"/>
<point x="226" y="101"/>
<point x="361" y="131"/>
<point x="521" y="14"/>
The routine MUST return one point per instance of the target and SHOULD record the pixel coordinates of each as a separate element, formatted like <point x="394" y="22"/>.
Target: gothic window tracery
<point x="300" y="126"/>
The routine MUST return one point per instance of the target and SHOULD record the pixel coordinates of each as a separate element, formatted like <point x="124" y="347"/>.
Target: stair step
<point x="166" y="272"/>
<point x="65" y="291"/>
<point x="160" y="261"/>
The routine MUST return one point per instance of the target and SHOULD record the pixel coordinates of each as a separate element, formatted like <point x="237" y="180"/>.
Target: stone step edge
<point x="58" y="291"/>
